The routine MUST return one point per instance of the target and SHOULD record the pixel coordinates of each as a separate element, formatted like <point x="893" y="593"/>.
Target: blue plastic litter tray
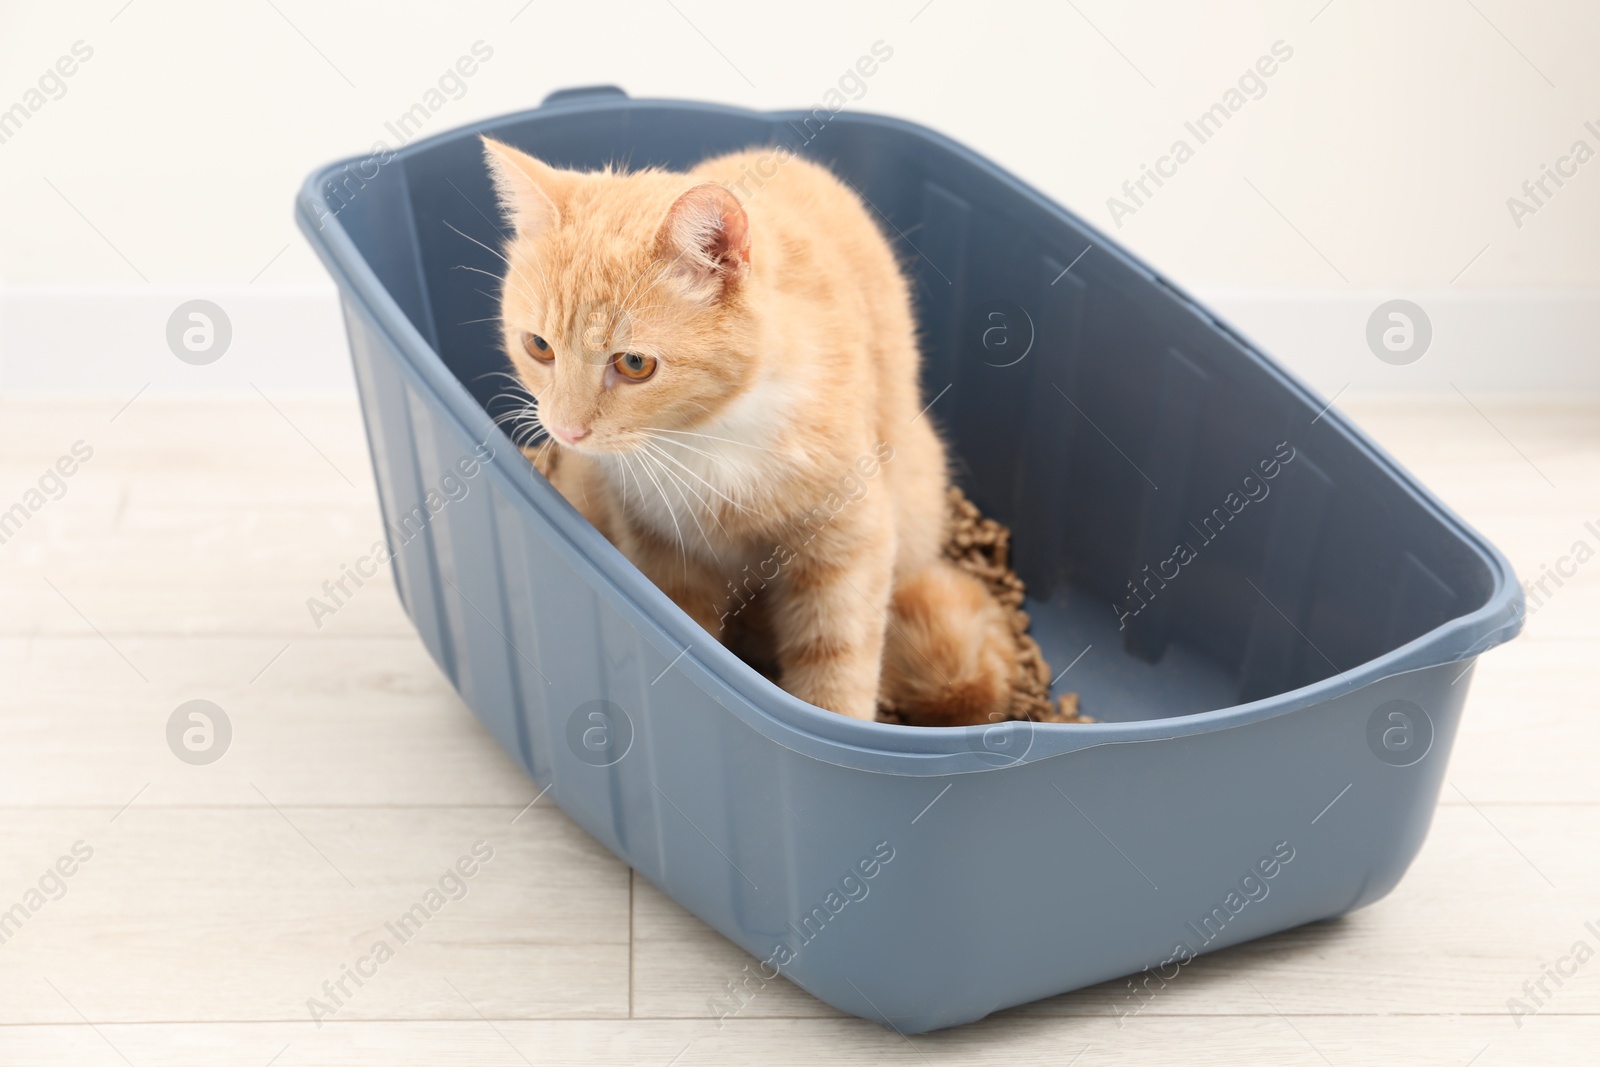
<point x="1272" y="619"/>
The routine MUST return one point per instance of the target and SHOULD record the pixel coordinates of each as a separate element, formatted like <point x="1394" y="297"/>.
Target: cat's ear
<point x="707" y="234"/>
<point x="529" y="189"/>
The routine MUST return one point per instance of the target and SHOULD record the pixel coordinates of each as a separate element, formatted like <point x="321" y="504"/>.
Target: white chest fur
<point x="696" y="487"/>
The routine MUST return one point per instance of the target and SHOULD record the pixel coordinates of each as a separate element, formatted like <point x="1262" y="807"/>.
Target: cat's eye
<point x="635" y="367"/>
<point x="537" y="347"/>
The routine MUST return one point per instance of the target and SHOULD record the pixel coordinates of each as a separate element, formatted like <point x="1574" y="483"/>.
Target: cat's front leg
<point x="578" y="478"/>
<point x="693" y="584"/>
<point x="832" y="613"/>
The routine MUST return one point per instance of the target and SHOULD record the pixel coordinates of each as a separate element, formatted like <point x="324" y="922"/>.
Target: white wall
<point x="1376" y="164"/>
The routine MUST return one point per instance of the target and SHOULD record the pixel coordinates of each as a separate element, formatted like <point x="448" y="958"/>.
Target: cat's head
<point x="626" y="307"/>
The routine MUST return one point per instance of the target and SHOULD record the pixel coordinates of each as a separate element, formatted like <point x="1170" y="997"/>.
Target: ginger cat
<point x="729" y="376"/>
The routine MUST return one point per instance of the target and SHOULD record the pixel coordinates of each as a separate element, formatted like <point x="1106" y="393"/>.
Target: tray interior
<point x="1125" y="437"/>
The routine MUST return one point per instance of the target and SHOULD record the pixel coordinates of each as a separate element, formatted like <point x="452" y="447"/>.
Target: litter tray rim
<point x="756" y="700"/>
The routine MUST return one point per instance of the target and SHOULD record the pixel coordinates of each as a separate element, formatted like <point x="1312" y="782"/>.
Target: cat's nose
<point x="570" y="434"/>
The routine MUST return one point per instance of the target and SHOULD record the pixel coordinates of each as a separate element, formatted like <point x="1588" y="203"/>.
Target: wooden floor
<point x="219" y="898"/>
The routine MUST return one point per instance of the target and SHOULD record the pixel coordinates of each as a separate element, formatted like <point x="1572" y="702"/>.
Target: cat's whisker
<point x="479" y="270"/>
<point x="513" y="281"/>
<point x="513" y="421"/>
<point x="638" y="485"/>
<point x="524" y="439"/>
<point x="517" y="416"/>
<point x="538" y="457"/>
<point x="509" y="282"/>
<point x="717" y="457"/>
<point x="697" y="476"/>
<point x="530" y="419"/>
<point x="498" y="298"/>
<point x="508" y="279"/>
<point x="533" y="256"/>
<point x="516" y="431"/>
<point x="683" y="541"/>
<point x="519" y="421"/>
<point x="522" y="393"/>
<point x="511" y="267"/>
<point x="507" y="375"/>
<point x="519" y="405"/>
<point x="647" y="463"/>
<point x="512" y="272"/>
<point x="681" y="485"/>
<point x="713" y="437"/>
<point x="538" y="265"/>
<point x="480" y="244"/>
<point x="514" y="418"/>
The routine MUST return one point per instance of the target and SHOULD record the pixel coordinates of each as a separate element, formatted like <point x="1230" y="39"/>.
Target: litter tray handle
<point x="583" y="92"/>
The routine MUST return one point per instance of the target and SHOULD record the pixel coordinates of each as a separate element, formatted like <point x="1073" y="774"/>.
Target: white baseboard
<point x="112" y="340"/>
